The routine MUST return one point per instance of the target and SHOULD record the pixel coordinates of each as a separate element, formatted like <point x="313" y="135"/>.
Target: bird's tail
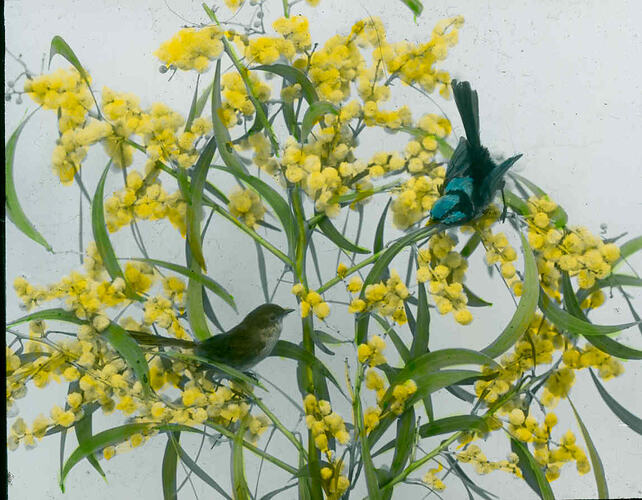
<point x="155" y="340"/>
<point x="468" y="107"/>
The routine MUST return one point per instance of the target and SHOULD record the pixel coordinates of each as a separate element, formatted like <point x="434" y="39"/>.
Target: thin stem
<point x="279" y="425"/>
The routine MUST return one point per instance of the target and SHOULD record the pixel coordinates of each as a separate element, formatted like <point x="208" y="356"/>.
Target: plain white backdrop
<point x="558" y="81"/>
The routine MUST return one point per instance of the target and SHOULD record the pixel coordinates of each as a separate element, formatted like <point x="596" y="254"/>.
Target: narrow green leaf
<point x="531" y="469"/>
<point x="627" y="249"/>
<point x="56" y="314"/>
<point x="596" y="462"/>
<point x="469" y="483"/>
<point x="326" y="338"/>
<point x="289" y="350"/>
<point x="612" y="281"/>
<point x="475" y="300"/>
<point x="194" y="212"/>
<point x="208" y="282"/>
<point x="239" y="482"/>
<point x="427" y="383"/>
<point x="313" y="114"/>
<point x="204" y="476"/>
<point x="603" y="343"/>
<point x="421" y="333"/>
<point x="372" y="481"/>
<point x="98" y="442"/>
<point x="14" y="209"/>
<point x="559" y="215"/>
<point x="565" y="321"/>
<point x="634" y="423"/>
<point x="130" y="351"/>
<point x="333" y="234"/>
<point x="378" y="241"/>
<point x="274" y="493"/>
<point x="168" y="469"/>
<point x="233" y="373"/>
<point x="221" y="134"/>
<point x="262" y="271"/>
<point x="471" y="245"/>
<point x="59" y="46"/>
<point x="275" y="200"/>
<point x="414" y="5"/>
<point x="516" y="203"/>
<point x="101" y="237"/>
<point x="525" y="308"/>
<point x="445" y="425"/>
<point x="192" y="109"/>
<point x="83" y="429"/>
<point x="293" y="76"/>
<point x="404" y="442"/>
<point x="393" y="250"/>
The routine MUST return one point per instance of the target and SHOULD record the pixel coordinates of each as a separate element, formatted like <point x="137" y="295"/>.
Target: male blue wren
<point x="472" y="177"/>
<point x="242" y="347"/>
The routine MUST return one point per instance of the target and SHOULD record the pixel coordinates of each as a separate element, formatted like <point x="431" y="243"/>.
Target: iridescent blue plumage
<point x="472" y="177"/>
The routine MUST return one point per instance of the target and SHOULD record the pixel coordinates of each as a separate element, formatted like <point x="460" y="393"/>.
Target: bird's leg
<point x="505" y="209"/>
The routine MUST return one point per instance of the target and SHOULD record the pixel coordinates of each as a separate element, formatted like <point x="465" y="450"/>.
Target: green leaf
<point x="471" y="245"/>
<point x="627" y="249"/>
<point x="612" y="281"/>
<point x="525" y="309"/>
<point x="130" y="351"/>
<point x="221" y="134"/>
<point x="421" y="332"/>
<point x="603" y="343"/>
<point x="427" y="383"/>
<point x="83" y="429"/>
<point x="204" y="476"/>
<point x="516" y="203"/>
<point x="276" y="201"/>
<point x="194" y="212"/>
<point x="391" y="252"/>
<point x="59" y="46"/>
<point x="404" y="442"/>
<point x="414" y="5"/>
<point x="56" y="314"/>
<point x="333" y="234"/>
<point x="378" y="241"/>
<point x="565" y="321"/>
<point x="233" y="373"/>
<point x="262" y="271"/>
<point x="531" y="469"/>
<point x="474" y="300"/>
<point x="98" y="442"/>
<point x="14" y="209"/>
<point x="634" y="423"/>
<point x="293" y="76"/>
<point x="208" y="282"/>
<point x="559" y="215"/>
<point x="239" y="482"/>
<point x="101" y="237"/>
<point x="289" y="350"/>
<point x="192" y="109"/>
<point x="596" y="462"/>
<point x="168" y="469"/>
<point x="444" y="426"/>
<point x="313" y="114"/>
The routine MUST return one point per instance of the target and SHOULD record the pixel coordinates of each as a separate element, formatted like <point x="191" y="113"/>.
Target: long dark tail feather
<point x="494" y="180"/>
<point x="155" y="340"/>
<point x="468" y="106"/>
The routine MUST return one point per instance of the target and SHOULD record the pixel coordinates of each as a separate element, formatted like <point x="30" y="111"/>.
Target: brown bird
<point x="242" y="347"/>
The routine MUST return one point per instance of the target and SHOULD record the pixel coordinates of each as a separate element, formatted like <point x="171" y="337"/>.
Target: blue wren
<point x="472" y="177"/>
<point x="242" y="347"/>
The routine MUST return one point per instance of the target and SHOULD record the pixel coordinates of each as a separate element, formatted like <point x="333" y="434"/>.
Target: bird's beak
<point x="287" y="311"/>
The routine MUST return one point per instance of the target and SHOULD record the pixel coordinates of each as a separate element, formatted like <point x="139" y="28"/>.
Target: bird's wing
<point x="493" y="180"/>
<point x="235" y="350"/>
<point x="468" y="107"/>
<point x="459" y="165"/>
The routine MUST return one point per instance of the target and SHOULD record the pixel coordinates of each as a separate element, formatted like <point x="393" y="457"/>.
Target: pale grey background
<point x="558" y="81"/>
